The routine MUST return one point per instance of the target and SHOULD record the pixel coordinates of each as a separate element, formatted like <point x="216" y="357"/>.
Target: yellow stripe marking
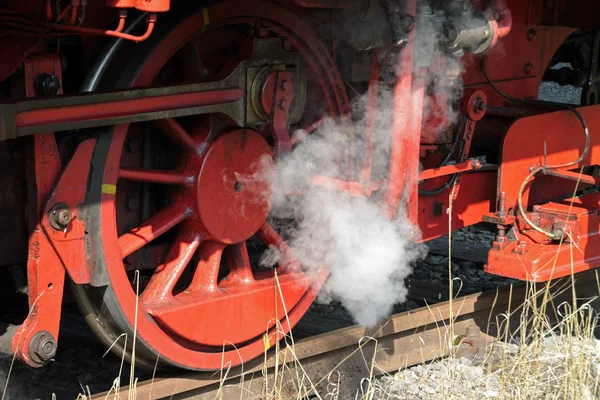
<point x="109" y="189"/>
<point x="206" y="16"/>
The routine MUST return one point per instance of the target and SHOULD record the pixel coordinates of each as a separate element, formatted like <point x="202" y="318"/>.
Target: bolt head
<point x="60" y="217"/>
<point x="64" y="217"/>
<point x="42" y="347"/>
<point x="48" y="85"/>
<point x="133" y="204"/>
<point x="287" y="45"/>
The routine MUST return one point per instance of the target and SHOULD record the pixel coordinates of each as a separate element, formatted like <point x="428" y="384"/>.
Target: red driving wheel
<point x="203" y="298"/>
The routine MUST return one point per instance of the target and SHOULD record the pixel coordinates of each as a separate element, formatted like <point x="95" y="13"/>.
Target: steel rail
<point x="405" y="339"/>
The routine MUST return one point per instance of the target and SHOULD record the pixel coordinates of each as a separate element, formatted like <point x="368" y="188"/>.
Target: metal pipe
<point x="92" y="80"/>
<point x="371" y="117"/>
<point x="400" y="120"/>
<point x="503" y="17"/>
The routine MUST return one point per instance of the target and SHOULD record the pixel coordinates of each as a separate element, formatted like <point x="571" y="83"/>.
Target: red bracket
<point x="475" y="106"/>
<point x="63" y="220"/>
<point x="35" y="341"/>
<point x="282" y="94"/>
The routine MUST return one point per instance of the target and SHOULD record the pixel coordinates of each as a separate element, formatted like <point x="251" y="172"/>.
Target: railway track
<point x="354" y="352"/>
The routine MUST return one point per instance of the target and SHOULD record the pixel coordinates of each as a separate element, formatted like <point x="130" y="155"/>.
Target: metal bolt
<point x="132" y="145"/>
<point x="48" y="85"/>
<point x="528" y="69"/>
<point x="531" y="34"/>
<point x="479" y="105"/>
<point x="502" y="205"/>
<point x="558" y="233"/>
<point x="283" y="85"/>
<point x="133" y="204"/>
<point x="42" y="347"/>
<point x="287" y="45"/>
<point x="283" y="105"/>
<point x="60" y="217"/>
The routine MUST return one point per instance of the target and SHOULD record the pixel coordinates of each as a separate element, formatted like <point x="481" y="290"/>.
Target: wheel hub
<point x="233" y="188"/>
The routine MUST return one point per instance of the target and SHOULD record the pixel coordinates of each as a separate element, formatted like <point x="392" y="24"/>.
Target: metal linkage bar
<point x="126" y="106"/>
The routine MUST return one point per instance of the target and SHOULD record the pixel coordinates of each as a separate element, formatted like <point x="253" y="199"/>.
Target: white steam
<point x="367" y="255"/>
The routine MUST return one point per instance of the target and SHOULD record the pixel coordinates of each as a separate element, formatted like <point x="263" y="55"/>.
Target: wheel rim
<point x="215" y="319"/>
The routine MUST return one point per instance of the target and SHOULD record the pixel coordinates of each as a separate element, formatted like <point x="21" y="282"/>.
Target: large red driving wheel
<point x="204" y="300"/>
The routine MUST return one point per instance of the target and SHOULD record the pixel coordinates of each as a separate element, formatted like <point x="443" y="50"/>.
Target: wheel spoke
<point x="207" y="271"/>
<point x="239" y="264"/>
<point x="167" y="274"/>
<point x="267" y="234"/>
<point x="155" y="176"/>
<point x="178" y="134"/>
<point x="152" y="228"/>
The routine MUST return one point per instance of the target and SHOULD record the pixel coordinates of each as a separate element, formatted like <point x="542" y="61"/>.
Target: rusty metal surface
<point x="406" y="339"/>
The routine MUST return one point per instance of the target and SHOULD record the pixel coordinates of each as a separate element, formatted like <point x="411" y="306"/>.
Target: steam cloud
<point x="368" y="256"/>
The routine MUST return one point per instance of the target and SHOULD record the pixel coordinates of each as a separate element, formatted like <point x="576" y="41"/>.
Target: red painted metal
<point x="355" y="189"/>
<point x="475" y="105"/>
<point x="503" y="17"/>
<point x="534" y="258"/>
<point x="153" y="6"/>
<point x="69" y="243"/>
<point x="45" y="273"/>
<point x="116" y="108"/>
<point x="562" y="136"/>
<point x="217" y="200"/>
<point x="408" y="100"/>
<point x="452" y="169"/>
<point x="231" y="175"/>
<point x="280" y="89"/>
<point x="581" y="14"/>
<point x="549" y="139"/>
<point x="121" y="3"/>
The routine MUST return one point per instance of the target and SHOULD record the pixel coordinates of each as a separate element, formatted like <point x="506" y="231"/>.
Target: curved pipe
<point x="101" y="32"/>
<point x="92" y="80"/>
<point x="503" y="17"/>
